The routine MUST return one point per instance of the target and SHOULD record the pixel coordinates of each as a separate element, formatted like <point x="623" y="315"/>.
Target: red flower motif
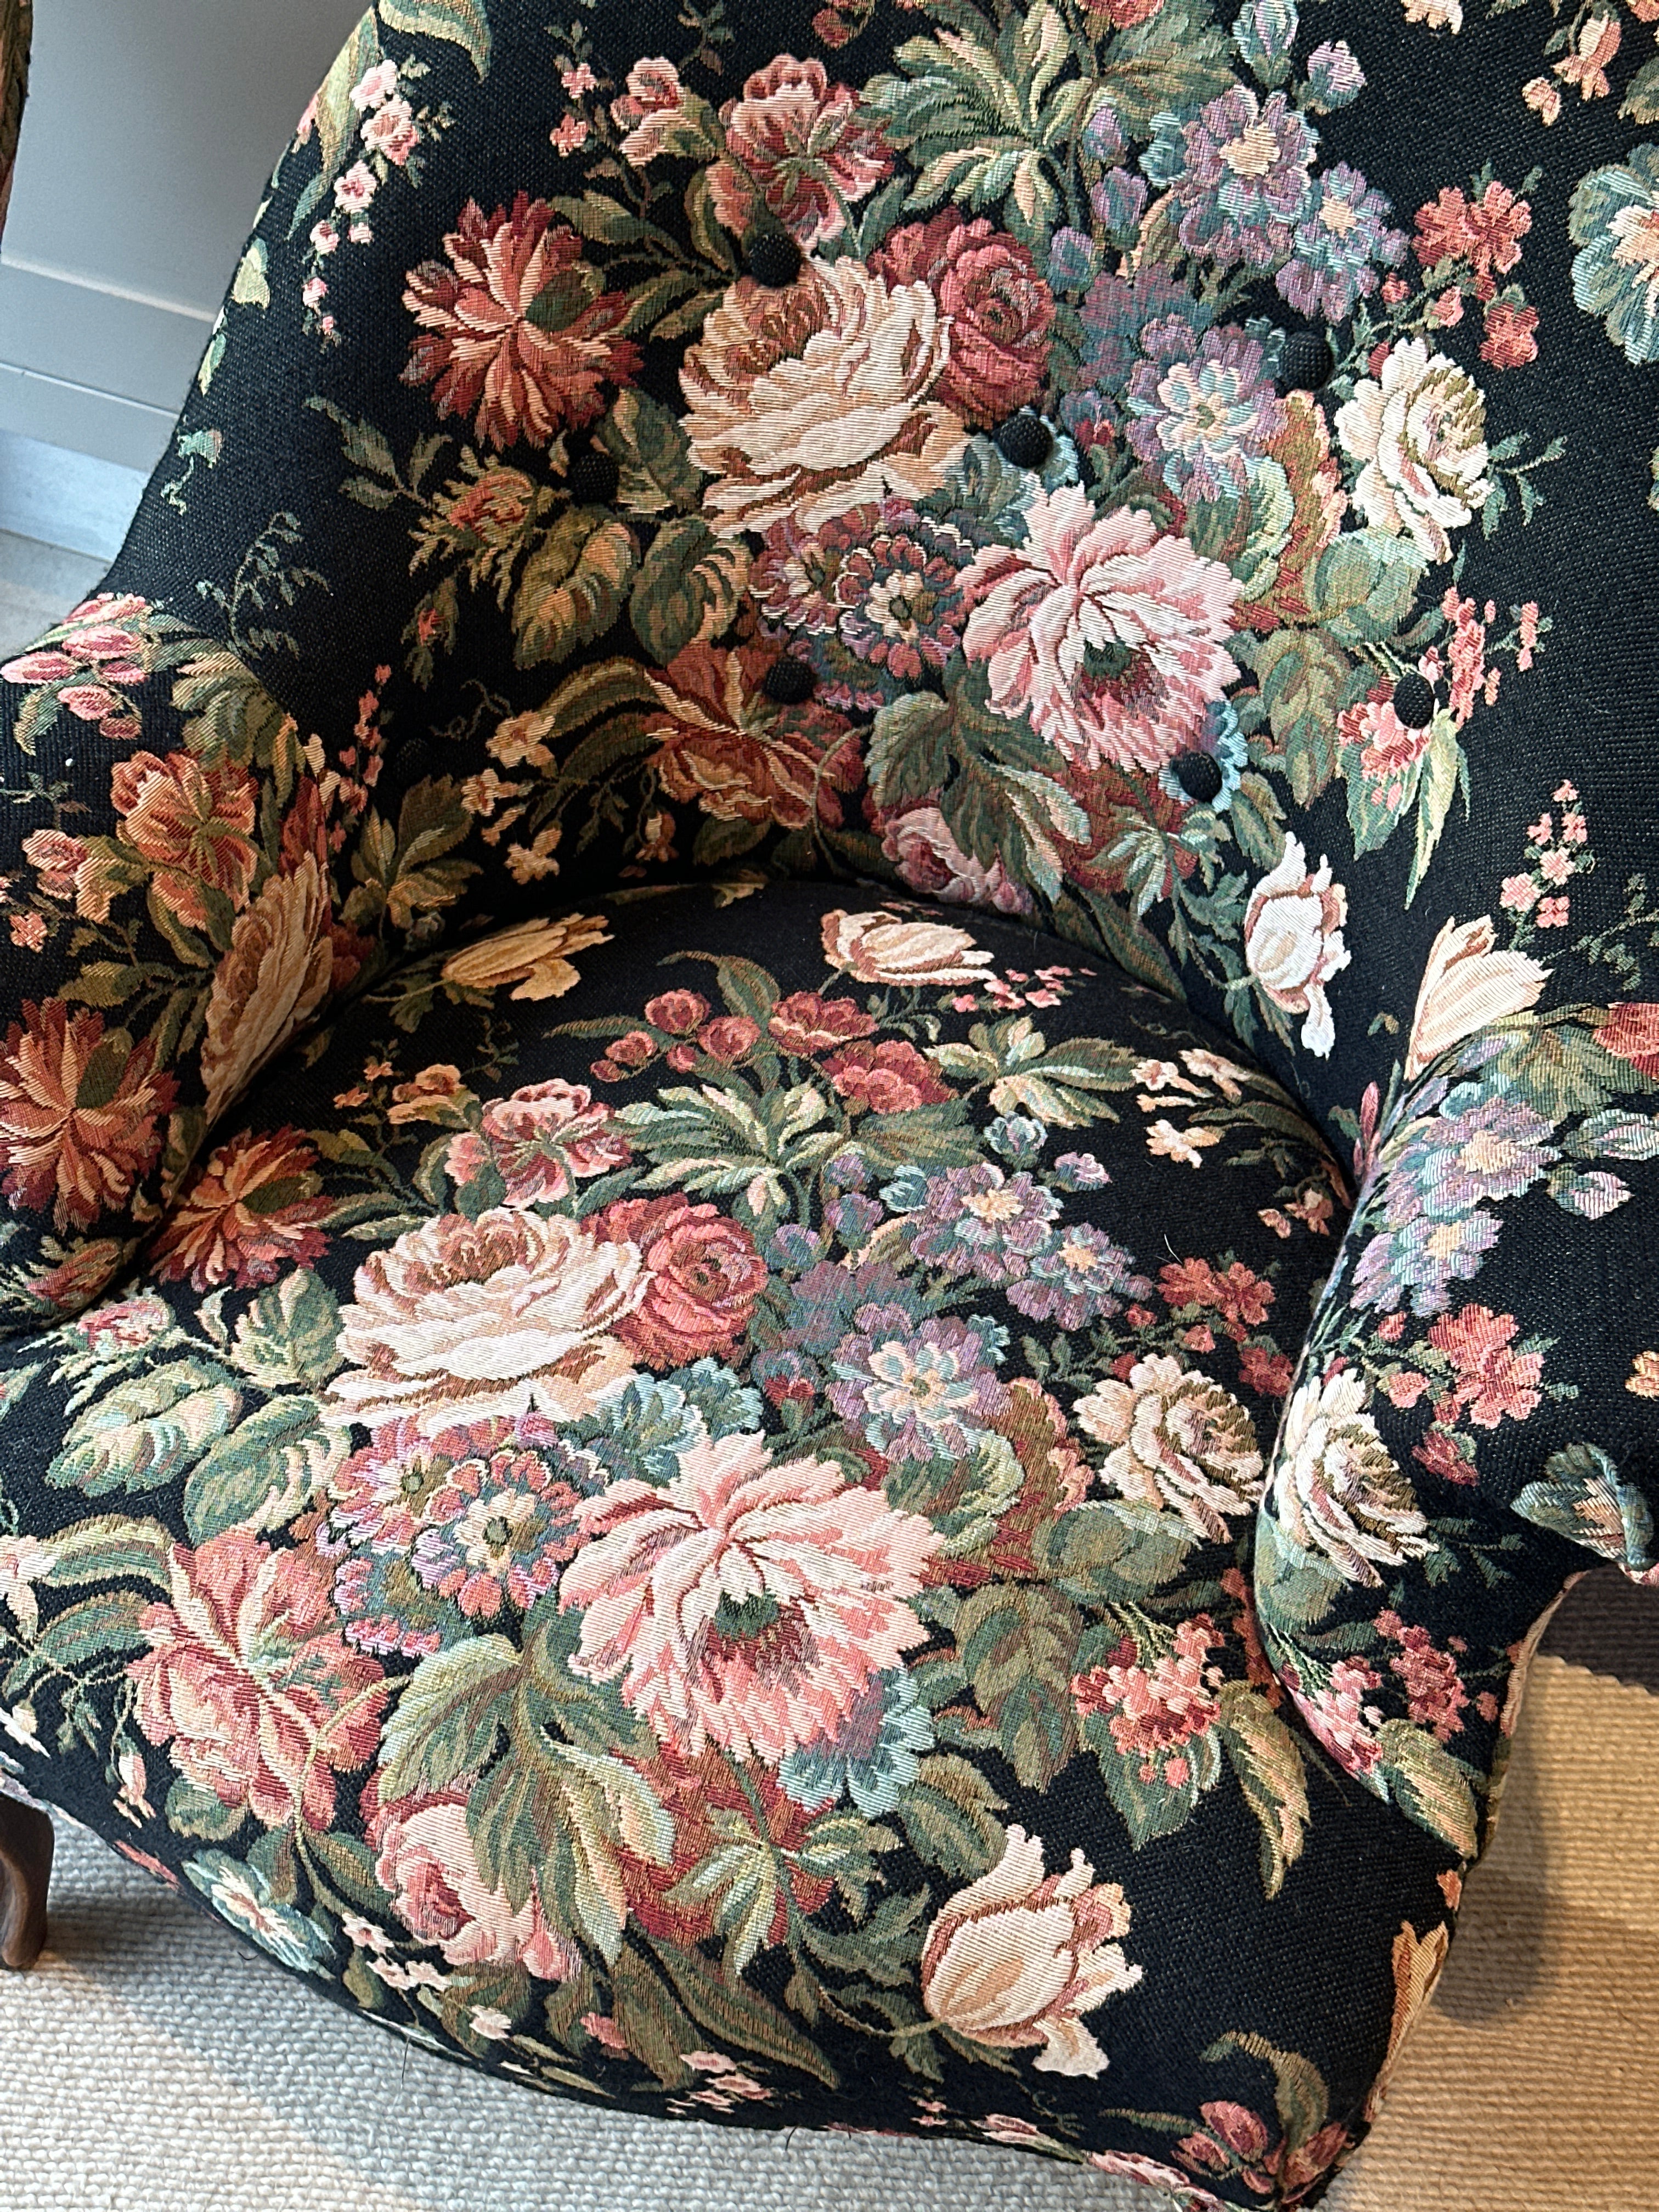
<point x="1631" y="1032"/>
<point x="704" y="1278"/>
<point x="796" y="147"/>
<point x="1268" y="1373"/>
<point x="1491" y="1380"/>
<point x="78" y="1113"/>
<point x="249" y="1215"/>
<point x="1487" y="234"/>
<point x="1000" y="310"/>
<point x="681" y="1013"/>
<point x="517" y="327"/>
<point x="804" y="1023"/>
<point x="890" y="1078"/>
<point x="192" y="824"/>
<point x="1508" y="343"/>
<point x="1239" y="1295"/>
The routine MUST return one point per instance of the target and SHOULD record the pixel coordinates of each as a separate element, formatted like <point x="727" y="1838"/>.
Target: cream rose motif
<point x="1421" y="433"/>
<point x="1467" y="985"/>
<point x="271" y="982"/>
<point x="1107" y="635"/>
<point x="891" y="948"/>
<point x="1015" y="1959"/>
<point x="534" y="955"/>
<point x="1335" y="1488"/>
<point x="1293" y="941"/>
<point x="805" y="404"/>
<point x="1177" y="1439"/>
<point x="459" y="1320"/>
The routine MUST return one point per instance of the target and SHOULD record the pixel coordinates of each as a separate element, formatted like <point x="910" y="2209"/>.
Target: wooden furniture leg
<point x="26" y="1849"/>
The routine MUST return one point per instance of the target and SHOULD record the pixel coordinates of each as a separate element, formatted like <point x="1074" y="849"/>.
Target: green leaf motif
<point x="267" y="1470"/>
<point x="1267" y="1760"/>
<point x="108" y="1547"/>
<point x="464" y="22"/>
<point x="688" y="587"/>
<point x="1429" y="1785"/>
<point x="91" y="1629"/>
<point x="1305" y="679"/>
<point x="449" y="1715"/>
<point x="950" y="1816"/>
<point x="573" y="586"/>
<point x="1443" y="767"/>
<point x="148" y="1431"/>
<point x="288" y="1336"/>
<point x="1018" y="1645"/>
<point x="644" y="440"/>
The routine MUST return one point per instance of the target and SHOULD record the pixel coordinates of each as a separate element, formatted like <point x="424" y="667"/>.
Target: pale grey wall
<point x="151" y="128"/>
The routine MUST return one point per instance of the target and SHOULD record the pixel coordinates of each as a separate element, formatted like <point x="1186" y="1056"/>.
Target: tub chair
<point x="828" y="1052"/>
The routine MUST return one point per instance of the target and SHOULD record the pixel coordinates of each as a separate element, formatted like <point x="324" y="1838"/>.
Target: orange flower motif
<point x="518" y="330"/>
<point x="249" y="1216"/>
<point x="194" y="827"/>
<point x="727" y="750"/>
<point x="1586" y="66"/>
<point x="79" y="1110"/>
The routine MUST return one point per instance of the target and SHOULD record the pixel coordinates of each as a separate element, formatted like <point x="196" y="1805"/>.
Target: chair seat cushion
<point x="674" y="1512"/>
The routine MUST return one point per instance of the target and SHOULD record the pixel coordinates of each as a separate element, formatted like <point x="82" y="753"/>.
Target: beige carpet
<point x="149" y="2065"/>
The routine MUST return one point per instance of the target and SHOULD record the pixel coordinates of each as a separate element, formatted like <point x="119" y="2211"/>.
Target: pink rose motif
<point x="798" y="148"/>
<point x="703" y="1276"/>
<point x="928" y="858"/>
<point x="1293" y="941"/>
<point x="393" y="132"/>
<point x="250" y="1683"/>
<point x="1000" y="310"/>
<point x="1105" y="635"/>
<point x="746" y="1604"/>
<point x="655" y="114"/>
<point x="542" y="1139"/>
<point x="426" y="1861"/>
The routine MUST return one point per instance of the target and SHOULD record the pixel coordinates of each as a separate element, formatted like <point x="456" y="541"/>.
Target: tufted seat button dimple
<point x="1413" y="701"/>
<point x="1199" y="775"/>
<point x="1026" y="440"/>
<point x="1307" y="362"/>
<point x="789" y="681"/>
<point x="772" y="258"/>
<point x="593" y="477"/>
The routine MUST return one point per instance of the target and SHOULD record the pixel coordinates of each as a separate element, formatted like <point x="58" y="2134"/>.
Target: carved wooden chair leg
<point x="26" y="1849"/>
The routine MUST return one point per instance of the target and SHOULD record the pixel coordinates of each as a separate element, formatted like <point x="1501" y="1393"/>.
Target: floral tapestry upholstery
<point x="828" y="1094"/>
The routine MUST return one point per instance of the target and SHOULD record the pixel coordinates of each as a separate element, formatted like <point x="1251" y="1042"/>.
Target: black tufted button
<point x="1199" y="775"/>
<point x="1413" y="701"/>
<point x="773" y="258"/>
<point x="1307" y="362"/>
<point x="1026" y="440"/>
<point x="593" y="477"/>
<point x="789" y="683"/>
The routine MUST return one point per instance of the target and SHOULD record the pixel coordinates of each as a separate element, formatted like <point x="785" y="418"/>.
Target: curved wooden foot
<point x="26" y="1847"/>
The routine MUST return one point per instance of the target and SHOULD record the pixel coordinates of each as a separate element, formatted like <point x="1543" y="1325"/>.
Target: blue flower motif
<point x="1227" y="744"/>
<point x="1016" y="1137"/>
<point x="873" y="1760"/>
<point x="1614" y="219"/>
<point x="241" y="1894"/>
<point x="1339" y="243"/>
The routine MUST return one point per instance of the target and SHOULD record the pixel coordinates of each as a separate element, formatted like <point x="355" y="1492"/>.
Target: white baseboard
<point x="64" y="498"/>
<point x="92" y="367"/>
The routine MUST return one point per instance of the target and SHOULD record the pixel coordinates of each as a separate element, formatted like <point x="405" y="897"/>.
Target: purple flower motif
<point x="1334" y="76"/>
<point x="1481" y="1145"/>
<point x="1080" y="1171"/>
<point x="1338" y="243"/>
<point x="1086" y="1276"/>
<point x="1244" y="182"/>
<point x="919" y="1391"/>
<point x="1205" y="420"/>
<point x="1120" y="201"/>
<point x="978" y="1221"/>
<point x="1119" y="315"/>
<point x="1420" y="1259"/>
